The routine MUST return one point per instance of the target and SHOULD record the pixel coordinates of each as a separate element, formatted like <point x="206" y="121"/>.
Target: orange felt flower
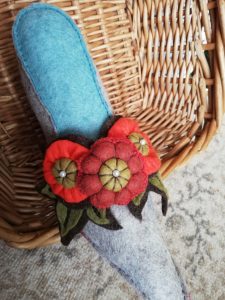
<point x="60" y="166"/>
<point x="129" y="128"/>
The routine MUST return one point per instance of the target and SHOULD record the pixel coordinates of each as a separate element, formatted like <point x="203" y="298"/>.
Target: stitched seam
<point x="91" y="68"/>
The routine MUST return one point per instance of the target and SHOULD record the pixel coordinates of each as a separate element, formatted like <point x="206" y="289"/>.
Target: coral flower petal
<point x="152" y="163"/>
<point x="103" y="199"/>
<point x="137" y="184"/>
<point x="106" y="194"/>
<point x="123" y="127"/>
<point x="50" y="179"/>
<point x="64" y="148"/>
<point x="57" y="189"/>
<point x="124" y="150"/>
<point x="103" y="150"/>
<point x="135" y="164"/>
<point x="123" y="197"/>
<point x="73" y="195"/>
<point x="91" y="165"/>
<point x="90" y="184"/>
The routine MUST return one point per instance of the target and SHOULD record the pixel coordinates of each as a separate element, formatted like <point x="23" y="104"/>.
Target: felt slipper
<point x="67" y="97"/>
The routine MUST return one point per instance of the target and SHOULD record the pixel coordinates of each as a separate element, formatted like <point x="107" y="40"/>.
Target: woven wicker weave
<point x="160" y="61"/>
<point x="180" y="46"/>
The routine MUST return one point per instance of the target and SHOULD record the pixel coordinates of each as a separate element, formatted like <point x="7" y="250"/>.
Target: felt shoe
<point x="64" y="90"/>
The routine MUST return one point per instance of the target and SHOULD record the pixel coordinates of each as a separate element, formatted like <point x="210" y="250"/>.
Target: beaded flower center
<point x="64" y="171"/>
<point x="114" y="174"/>
<point x="140" y="143"/>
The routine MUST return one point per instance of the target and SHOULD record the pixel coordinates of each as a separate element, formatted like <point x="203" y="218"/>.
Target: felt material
<point x="103" y="218"/>
<point x="140" y="143"/>
<point x="136" y="206"/>
<point x="68" y="218"/>
<point x="64" y="155"/>
<point x="129" y="128"/>
<point x="96" y="178"/>
<point x="72" y="219"/>
<point x="39" y="109"/>
<point x="65" y="172"/>
<point x="155" y="184"/>
<point x="137" y="250"/>
<point x="54" y="57"/>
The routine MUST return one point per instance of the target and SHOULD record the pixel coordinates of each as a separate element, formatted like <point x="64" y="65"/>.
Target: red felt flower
<point x="61" y="164"/>
<point x="112" y="173"/>
<point x="129" y="128"/>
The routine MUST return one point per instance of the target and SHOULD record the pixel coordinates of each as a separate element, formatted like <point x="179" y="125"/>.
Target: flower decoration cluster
<point x="119" y="169"/>
<point x="113" y="171"/>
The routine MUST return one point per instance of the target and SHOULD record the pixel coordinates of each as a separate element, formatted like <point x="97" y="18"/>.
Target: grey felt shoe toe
<point x="139" y="253"/>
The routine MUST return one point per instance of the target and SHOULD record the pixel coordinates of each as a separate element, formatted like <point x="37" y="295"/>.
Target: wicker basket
<point x="160" y="61"/>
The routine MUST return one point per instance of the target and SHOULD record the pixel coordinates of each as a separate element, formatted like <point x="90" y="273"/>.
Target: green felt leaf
<point x="158" y="187"/>
<point x="137" y="200"/>
<point x="68" y="217"/>
<point x="103" y="217"/>
<point x="61" y="211"/>
<point x="100" y="219"/>
<point x="137" y="204"/>
<point x="46" y="190"/>
<point x="74" y="217"/>
<point x="156" y="181"/>
<point x="102" y="213"/>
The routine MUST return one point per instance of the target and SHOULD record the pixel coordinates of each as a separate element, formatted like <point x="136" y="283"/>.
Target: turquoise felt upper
<point x="55" y="58"/>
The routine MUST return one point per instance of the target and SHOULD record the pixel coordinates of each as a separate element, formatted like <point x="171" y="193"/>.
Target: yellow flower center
<point x="65" y="171"/>
<point x="140" y="143"/>
<point x="114" y="174"/>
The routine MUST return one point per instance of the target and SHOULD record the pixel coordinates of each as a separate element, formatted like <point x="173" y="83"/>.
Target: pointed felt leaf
<point x="103" y="217"/>
<point x="61" y="211"/>
<point x="156" y="185"/>
<point x="99" y="219"/>
<point x="71" y="221"/>
<point x="137" y="200"/>
<point x="137" y="204"/>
